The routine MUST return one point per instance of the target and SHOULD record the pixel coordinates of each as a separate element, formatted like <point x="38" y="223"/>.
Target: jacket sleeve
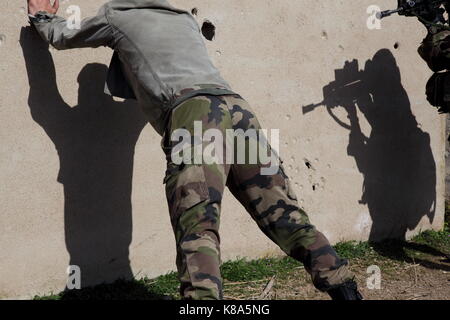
<point x="93" y="32"/>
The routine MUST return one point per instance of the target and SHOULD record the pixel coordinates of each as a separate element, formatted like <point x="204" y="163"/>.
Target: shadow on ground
<point x="414" y="253"/>
<point x="429" y="249"/>
<point x="119" y="290"/>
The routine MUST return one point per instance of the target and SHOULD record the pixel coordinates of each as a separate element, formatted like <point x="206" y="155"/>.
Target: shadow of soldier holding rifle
<point x="396" y="159"/>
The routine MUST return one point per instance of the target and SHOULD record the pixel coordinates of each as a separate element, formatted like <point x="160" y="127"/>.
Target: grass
<point x="245" y="270"/>
<point x="437" y="240"/>
<point x="353" y="249"/>
<point x="421" y="249"/>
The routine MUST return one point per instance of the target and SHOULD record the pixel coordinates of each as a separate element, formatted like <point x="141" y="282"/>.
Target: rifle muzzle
<point x="383" y="14"/>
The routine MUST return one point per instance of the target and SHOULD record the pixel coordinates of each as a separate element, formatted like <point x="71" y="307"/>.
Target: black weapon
<point x="430" y="12"/>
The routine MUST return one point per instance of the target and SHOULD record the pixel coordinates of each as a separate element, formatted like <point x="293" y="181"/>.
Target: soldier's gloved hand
<point x="438" y="91"/>
<point x="35" y="6"/>
<point x="422" y="15"/>
<point x="404" y="4"/>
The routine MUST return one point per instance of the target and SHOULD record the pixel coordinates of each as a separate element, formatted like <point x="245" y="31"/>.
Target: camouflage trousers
<point x="194" y="194"/>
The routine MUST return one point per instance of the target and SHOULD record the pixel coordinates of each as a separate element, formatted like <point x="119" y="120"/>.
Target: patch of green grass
<point x="354" y="249"/>
<point x="51" y="296"/>
<point x="166" y="285"/>
<point x="250" y="270"/>
<point x="436" y="239"/>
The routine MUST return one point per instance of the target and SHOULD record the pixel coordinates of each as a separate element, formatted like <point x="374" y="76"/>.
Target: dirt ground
<point x="425" y="280"/>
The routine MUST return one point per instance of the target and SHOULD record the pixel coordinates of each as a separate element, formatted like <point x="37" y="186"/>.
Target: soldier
<point x="160" y="59"/>
<point x="435" y="50"/>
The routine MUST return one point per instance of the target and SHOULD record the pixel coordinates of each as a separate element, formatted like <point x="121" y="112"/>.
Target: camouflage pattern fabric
<point x="435" y="50"/>
<point x="194" y="194"/>
<point x="438" y="91"/>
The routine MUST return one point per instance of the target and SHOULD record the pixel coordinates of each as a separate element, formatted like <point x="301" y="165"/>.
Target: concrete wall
<point x="81" y="174"/>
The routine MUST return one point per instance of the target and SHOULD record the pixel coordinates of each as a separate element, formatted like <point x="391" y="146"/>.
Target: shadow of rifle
<point x="341" y="92"/>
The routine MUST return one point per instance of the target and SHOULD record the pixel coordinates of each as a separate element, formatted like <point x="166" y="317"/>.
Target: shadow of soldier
<point x="95" y="141"/>
<point x="396" y="159"/>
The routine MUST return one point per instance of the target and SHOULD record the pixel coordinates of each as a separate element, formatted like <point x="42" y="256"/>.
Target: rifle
<point x="429" y="12"/>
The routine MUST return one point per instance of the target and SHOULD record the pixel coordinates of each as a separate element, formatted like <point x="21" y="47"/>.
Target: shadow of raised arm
<point x="46" y="104"/>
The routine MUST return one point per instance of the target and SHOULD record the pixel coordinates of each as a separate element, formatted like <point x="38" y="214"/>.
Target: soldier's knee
<point x="186" y="189"/>
<point x="207" y="240"/>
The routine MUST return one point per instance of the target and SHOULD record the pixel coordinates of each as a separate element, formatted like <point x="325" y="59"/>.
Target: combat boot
<point x="346" y="291"/>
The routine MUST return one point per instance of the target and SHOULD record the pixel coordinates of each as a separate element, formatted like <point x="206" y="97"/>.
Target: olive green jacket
<point x="159" y="58"/>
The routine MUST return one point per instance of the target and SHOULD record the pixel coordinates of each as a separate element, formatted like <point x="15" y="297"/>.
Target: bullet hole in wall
<point x="396" y="45"/>
<point x="208" y="30"/>
<point x="194" y="11"/>
<point x="308" y="164"/>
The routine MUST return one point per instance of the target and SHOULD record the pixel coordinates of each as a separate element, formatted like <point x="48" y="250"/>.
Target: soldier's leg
<point x="194" y="195"/>
<point x="271" y="201"/>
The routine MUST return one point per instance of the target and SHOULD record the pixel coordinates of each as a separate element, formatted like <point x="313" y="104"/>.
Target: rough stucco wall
<point x="73" y="190"/>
